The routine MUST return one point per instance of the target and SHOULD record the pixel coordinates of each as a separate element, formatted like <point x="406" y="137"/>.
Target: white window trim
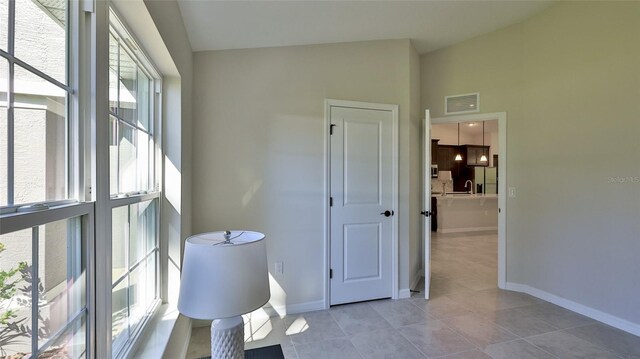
<point x="104" y="201"/>
<point x="12" y="219"/>
<point x="88" y="172"/>
<point x="73" y="146"/>
<point x="33" y="220"/>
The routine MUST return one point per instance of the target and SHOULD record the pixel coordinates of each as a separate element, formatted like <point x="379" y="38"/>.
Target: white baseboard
<point x="300" y="307"/>
<point x="404" y="293"/>
<point x="592" y="313"/>
<point x="468" y="229"/>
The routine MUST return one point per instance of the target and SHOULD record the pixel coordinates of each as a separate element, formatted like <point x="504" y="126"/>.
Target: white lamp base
<point x="227" y="338"/>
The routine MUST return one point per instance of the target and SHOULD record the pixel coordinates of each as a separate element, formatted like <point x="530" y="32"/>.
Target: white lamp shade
<point x="223" y="280"/>
<point x="444" y="175"/>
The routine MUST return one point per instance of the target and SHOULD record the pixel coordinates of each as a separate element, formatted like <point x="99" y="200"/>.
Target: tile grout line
<point x="410" y="342"/>
<point x="337" y="323"/>
<point x="523" y="339"/>
<point x="563" y="330"/>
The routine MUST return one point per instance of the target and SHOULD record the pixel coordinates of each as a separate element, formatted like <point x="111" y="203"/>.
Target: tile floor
<point x="467" y="317"/>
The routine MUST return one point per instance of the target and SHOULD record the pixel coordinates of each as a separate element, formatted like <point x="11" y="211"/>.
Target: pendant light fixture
<point x="458" y="155"/>
<point x="483" y="158"/>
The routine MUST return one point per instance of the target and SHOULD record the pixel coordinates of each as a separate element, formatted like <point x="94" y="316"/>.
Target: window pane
<point x="113" y="74"/>
<point x="40" y="155"/>
<point x="142" y="291"/>
<point x="61" y="287"/>
<point x="128" y="85"/>
<point x="142" y="149"/>
<point x="4" y="149"/>
<point x="137" y="295"/>
<point x="151" y="281"/>
<point x="143" y="231"/>
<point x="119" y="316"/>
<point x="40" y="36"/>
<point x="135" y="250"/>
<point x="113" y="155"/>
<point x="119" y="234"/>
<point x="132" y="161"/>
<point x="15" y="296"/>
<point x="127" y="167"/>
<point x="4" y="24"/>
<point x="71" y="343"/>
<point x="144" y="100"/>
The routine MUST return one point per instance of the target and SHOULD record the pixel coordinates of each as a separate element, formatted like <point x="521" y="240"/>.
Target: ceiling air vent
<point x="465" y="103"/>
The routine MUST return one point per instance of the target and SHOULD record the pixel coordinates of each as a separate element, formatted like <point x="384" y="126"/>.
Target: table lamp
<point x="444" y="176"/>
<point x="224" y="275"/>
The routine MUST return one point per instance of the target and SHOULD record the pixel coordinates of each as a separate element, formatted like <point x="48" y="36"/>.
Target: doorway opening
<point x="465" y="199"/>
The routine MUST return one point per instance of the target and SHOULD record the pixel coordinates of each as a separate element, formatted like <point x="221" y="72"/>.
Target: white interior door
<point x="426" y="203"/>
<point x="362" y="199"/>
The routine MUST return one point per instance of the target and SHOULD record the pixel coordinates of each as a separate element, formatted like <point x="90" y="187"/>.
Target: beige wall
<point x="258" y="145"/>
<point x="569" y="81"/>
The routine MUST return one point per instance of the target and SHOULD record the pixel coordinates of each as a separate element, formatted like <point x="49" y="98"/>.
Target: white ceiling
<point x="218" y="25"/>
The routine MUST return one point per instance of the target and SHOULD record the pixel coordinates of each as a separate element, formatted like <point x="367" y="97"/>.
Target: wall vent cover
<point x="465" y="103"/>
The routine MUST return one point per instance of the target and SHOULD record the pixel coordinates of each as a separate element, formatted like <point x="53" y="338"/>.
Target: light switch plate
<point x="512" y="192"/>
<point x="279" y="267"/>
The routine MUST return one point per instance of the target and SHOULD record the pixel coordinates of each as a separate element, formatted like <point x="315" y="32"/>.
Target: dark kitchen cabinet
<point x="446" y="157"/>
<point x="434" y="152"/>
<point x="473" y="154"/>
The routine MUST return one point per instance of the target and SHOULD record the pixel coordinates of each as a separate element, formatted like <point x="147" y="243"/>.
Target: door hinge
<point x="331" y="126"/>
<point x="330" y="201"/>
<point x="330" y="273"/>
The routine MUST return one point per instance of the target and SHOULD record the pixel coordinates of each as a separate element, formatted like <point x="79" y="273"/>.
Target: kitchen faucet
<point x="470" y="182"/>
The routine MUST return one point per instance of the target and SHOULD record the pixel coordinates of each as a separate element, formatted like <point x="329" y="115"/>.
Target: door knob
<point x="387" y="213"/>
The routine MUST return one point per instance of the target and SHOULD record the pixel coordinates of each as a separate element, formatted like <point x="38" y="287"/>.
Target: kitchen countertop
<point x="465" y="196"/>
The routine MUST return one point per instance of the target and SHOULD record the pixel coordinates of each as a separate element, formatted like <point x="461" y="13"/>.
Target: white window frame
<point x="85" y="211"/>
<point x="16" y="217"/>
<point x="88" y="170"/>
<point x="105" y="202"/>
<point x="149" y="69"/>
<point x="74" y="137"/>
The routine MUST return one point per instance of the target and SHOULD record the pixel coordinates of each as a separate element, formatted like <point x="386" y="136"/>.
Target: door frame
<point x="426" y="205"/>
<point x="328" y="104"/>
<point x="502" y="185"/>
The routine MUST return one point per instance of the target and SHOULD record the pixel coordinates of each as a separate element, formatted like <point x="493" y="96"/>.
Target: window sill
<point x="154" y="343"/>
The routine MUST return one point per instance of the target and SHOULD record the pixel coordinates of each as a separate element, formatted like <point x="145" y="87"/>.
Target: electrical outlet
<point x="512" y="192"/>
<point x="279" y="267"/>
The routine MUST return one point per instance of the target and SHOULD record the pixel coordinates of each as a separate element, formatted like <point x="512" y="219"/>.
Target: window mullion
<point x="10" y="136"/>
<point x="118" y="120"/>
<point x="12" y="27"/>
<point x="41" y="74"/>
<point x="34" y="289"/>
<point x="127" y="242"/>
<point x="10" y="97"/>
